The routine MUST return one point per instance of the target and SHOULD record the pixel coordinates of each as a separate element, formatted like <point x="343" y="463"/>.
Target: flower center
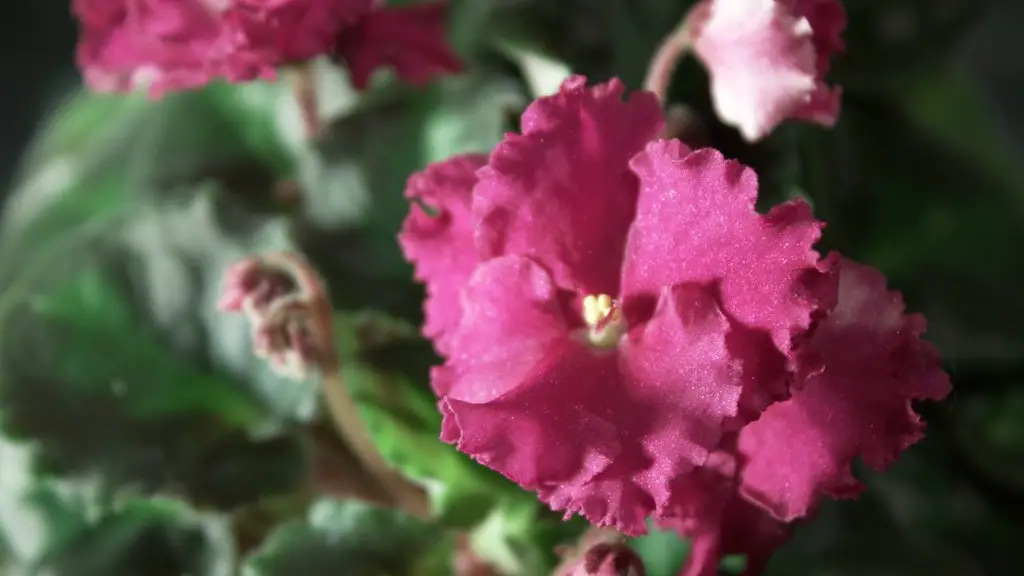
<point x="604" y="320"/>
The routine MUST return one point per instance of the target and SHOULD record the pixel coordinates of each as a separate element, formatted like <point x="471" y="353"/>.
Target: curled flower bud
<point x="281" y="298"/>
<point x="599" y="552"/>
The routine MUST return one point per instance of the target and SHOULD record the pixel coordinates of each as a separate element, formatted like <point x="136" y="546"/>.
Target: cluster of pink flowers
<point x="169" y="45"/>
<point x="624" y="334"/>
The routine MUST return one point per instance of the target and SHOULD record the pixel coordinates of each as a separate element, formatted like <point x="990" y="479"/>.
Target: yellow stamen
<point x="603" y="320"/>
<point x="596" y="308"/>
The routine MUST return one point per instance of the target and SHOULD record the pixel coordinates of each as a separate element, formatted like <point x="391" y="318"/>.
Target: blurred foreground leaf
<point x="156" y="537"/>
<point x="89" y="383"/>
<point x="355" y="539"/>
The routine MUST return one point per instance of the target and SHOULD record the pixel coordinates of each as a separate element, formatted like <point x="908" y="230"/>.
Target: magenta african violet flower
<point x="625" y="335"/>
<point x="182" y="44"/>
<point x="618" y="297"/>
<point x="768" y="59"/>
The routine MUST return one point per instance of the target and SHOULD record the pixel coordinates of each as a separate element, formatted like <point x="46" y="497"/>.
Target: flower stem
<point x="303" y="83"/>
<point x="407" y="496"/>
<point x="663" y="65"/>
<point x="340" y="404"/>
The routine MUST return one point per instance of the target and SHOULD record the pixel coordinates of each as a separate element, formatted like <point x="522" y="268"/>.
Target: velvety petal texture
<point x="437" y="237"/>
<point x="857" y="405"/>
<point x="562" y="191"/>
<point x="626" y="336"/>
<point x="696" y="210"/>
<point x="599" y="434"/>
<point x="409" y="39"/>
<point x="767" y="60"/>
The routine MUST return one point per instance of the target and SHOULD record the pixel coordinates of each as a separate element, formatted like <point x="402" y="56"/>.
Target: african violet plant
<point x="636" y="354"/>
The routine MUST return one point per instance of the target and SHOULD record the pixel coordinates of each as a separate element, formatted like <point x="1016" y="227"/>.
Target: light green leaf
<point x="405" y="426"/>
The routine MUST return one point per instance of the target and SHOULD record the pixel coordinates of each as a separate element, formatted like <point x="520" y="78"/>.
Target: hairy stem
<point x="342" y="407"/>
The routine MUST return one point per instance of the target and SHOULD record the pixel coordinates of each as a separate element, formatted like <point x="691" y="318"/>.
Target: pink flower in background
<point x="182" y="44"/>
<point x="625" y="297"/>
<point x="628" y="337"/>
<point x="168" y="44"/>
<point x="410" y="39"/>
<point x="767" y="60"/>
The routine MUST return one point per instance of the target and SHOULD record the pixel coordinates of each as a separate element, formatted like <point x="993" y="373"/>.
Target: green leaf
<point x="469" y="113"/>
<point x="662" y="551"/>
<point x="356" y="182"/>
<point x="521" y="536"/>
<point x="92" y="384"/>
<point x="153" y="536"/>
<point x="405" y="425"/>
<point x="105" y="348"/>
<point x="356" y="537"/>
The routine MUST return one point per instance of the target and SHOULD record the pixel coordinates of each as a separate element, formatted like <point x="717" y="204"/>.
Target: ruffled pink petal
<point x="767" y="60"/>
<point x="859" y="404"/>
<point x="411" y="39"/>
<point x="598" y="433"/>
<point x="696" y="222"/>
<point x="505" y="402"/>
<point x="440" y="245"/>
<point x="562" y="191"/>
